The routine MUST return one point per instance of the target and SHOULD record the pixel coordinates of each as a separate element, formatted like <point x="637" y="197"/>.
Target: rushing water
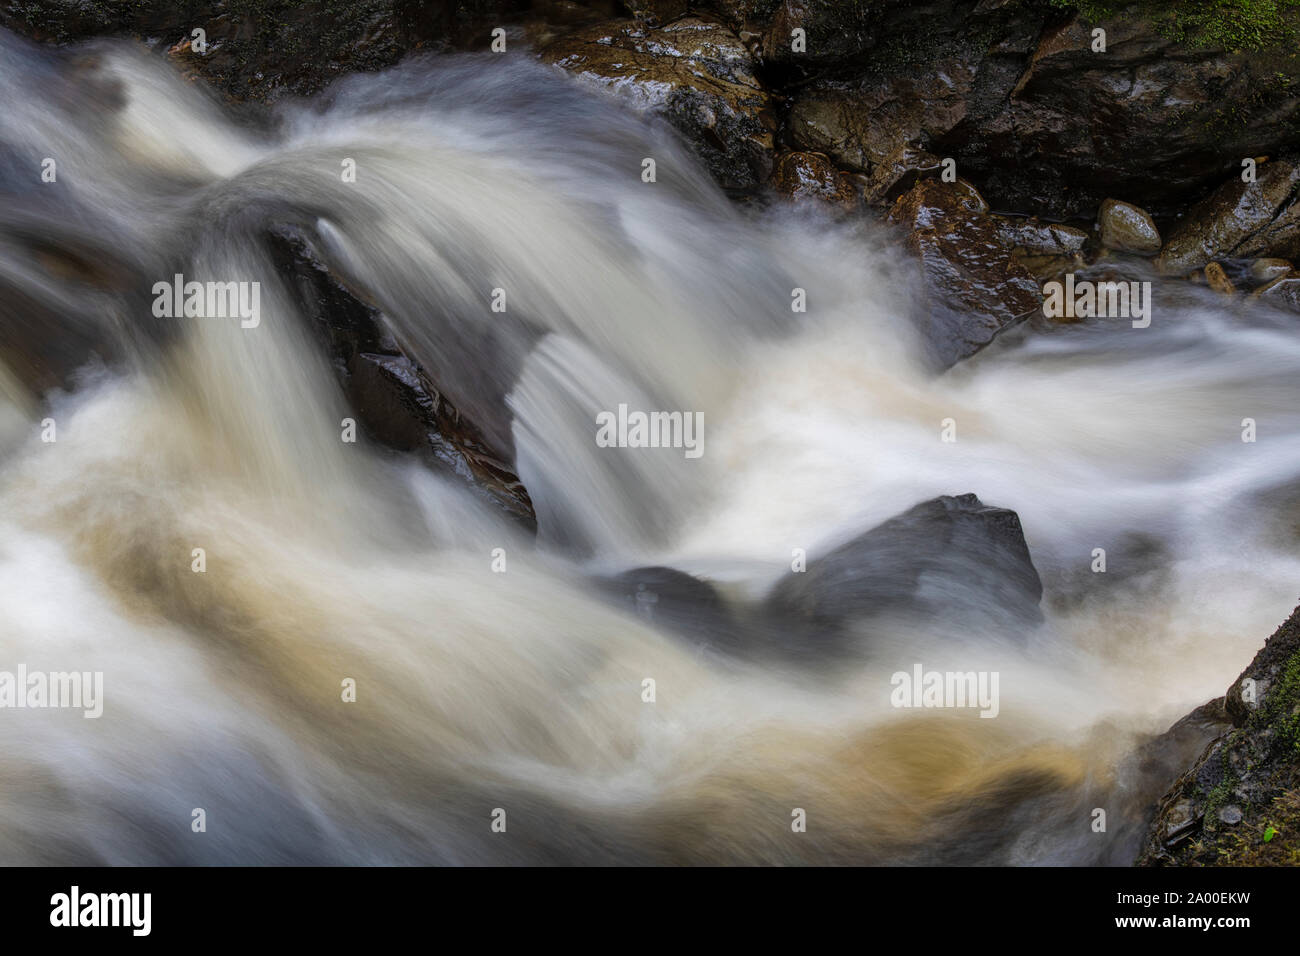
<point x="522" y="690"/>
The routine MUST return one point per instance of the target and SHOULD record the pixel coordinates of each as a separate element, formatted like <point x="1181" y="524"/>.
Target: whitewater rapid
<point x="522" y="690"/>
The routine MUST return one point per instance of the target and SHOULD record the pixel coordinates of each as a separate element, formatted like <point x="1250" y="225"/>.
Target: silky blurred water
<point x="522" y="691"/>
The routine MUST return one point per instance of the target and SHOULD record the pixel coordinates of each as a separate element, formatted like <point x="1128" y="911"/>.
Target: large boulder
<point x="1239" y="220"/>
<point x="952" y="558"/>
<point x="694" y="73"/>
<point x="394" y="398"/>
<point x="973" y="285"/>
<point x="1151" y="116"/>
<point x="861" y="124"/>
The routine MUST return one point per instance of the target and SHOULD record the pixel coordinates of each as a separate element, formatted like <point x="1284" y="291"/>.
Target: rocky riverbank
<point x="1011" y="142"/>
<point x="1239" y="803"/>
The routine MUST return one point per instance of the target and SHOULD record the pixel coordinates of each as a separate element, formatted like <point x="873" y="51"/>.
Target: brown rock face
<point x="1149" y="117"/>
<point x="898" y="172"/>
<point x="1045" y="124"/>
<point x="864" y="125"/>
<point x="694" y="73"/>
<point x="657" y="12"/>
<point x="975" y="287"/>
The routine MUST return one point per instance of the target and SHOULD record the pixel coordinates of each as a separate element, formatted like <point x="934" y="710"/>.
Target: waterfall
<point x="499" y="221"/>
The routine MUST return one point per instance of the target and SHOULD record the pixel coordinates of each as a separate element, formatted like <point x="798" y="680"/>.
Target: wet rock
<point x="1015" y="93"/>
<point x="811" y="176"/>
<point x="1159" y="759"/>
<point x="866" y="124"/>
<point x="1041" y="238"/>
<point x="1216" y="277"/>
<point x="694" y="73"/>
<point x="1241" y="781"/>
<point x="66" y="294"/>
<point x="933" y="202"/>
<point x="549" y="20"/>
<point x="1230" y="815"/>
<point x="392" y="395"/>
<point x="656" y="12"/>
<point x="846" y="39"/>
<point x="974" y="287"/>
<point x="1047" y="268"/>
<point x="899" y="172"/>
<point x="950" y="558"/>
<point x="1127" y="228"/>
<point x="1046" y="250"/>
<point x="833" y="31"/>
<point x="1180" y="821"/>
<point x="1264" y="271"/>
<point x="1283" y="293"/>
<point x="1151" y="117"/>
<point x="1238" y="220"/>
<point x="675" y="601"/>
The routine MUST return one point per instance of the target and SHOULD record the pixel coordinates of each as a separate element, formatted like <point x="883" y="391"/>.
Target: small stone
<point x="1217" y="279"/>
<point x="1230" y="815"/>
<point x="1282" y="293"/>
<point x="1263" y="271"/>
<point x="1126" y="228"/>
<point x="1179" y="820"/>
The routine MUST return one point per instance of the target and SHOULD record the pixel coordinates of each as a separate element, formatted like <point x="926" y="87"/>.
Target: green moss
<point x="1281" y="710"/>
<point x="1274" y="841"/>
<point x="1229" y="24"/>
<point x="1217" y="799"/>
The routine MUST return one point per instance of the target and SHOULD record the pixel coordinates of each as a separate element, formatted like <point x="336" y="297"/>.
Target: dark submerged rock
<point x="950" y="558"/>
<point x="393" y="396"/>
<point x="676" y="601"/>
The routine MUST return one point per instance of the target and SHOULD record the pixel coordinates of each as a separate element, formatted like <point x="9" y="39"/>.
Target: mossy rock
<point x="1239" y="804"/>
